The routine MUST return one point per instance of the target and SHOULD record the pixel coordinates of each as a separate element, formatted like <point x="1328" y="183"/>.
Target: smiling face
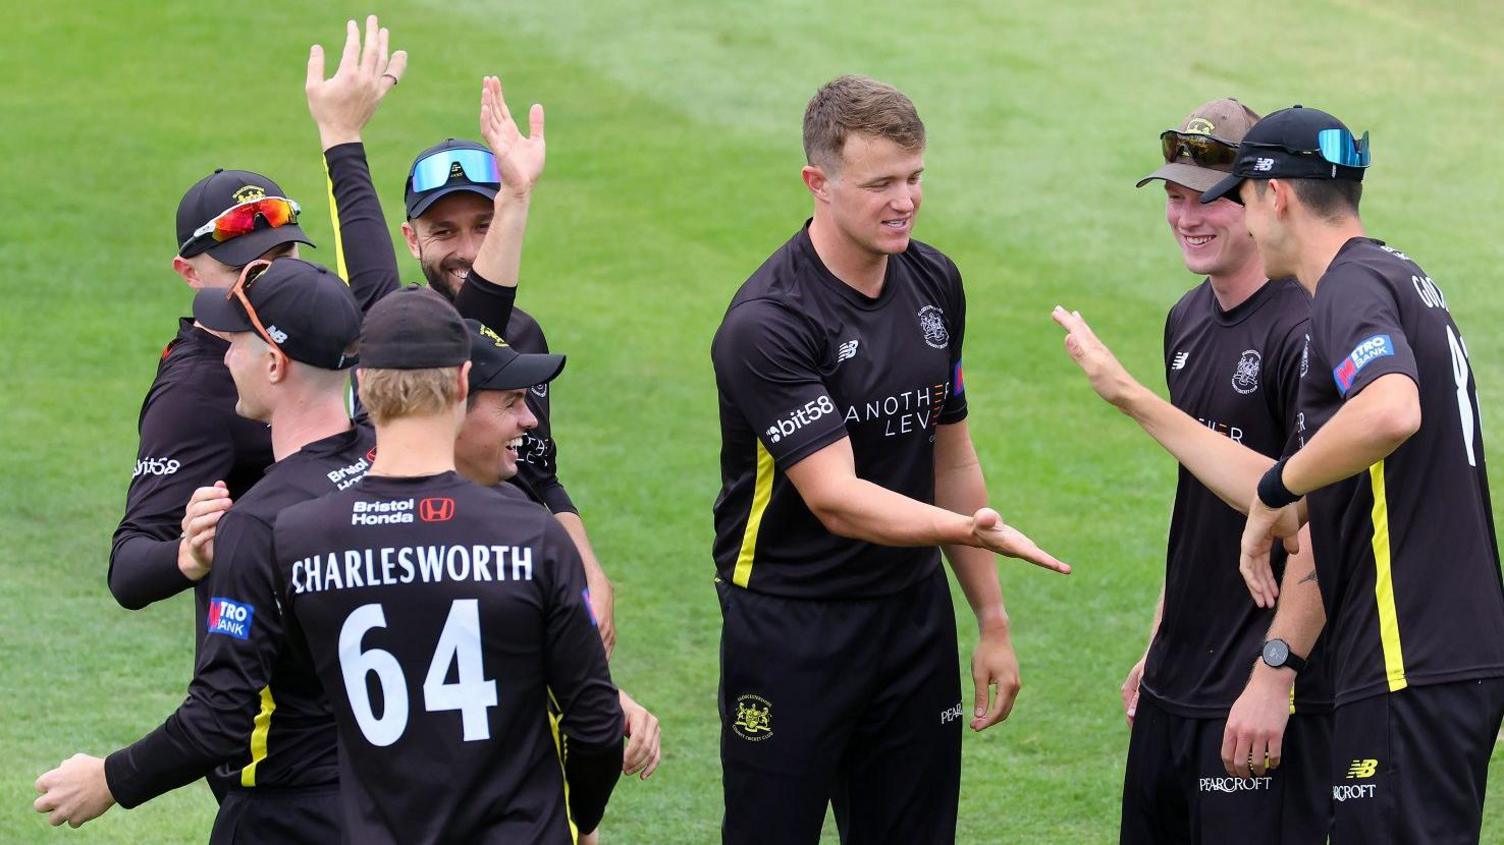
<point x="486" y="450"/>
<point x="874" y="194"/>
<point x="447" y="237"/>
<point x="1213" y="239"/>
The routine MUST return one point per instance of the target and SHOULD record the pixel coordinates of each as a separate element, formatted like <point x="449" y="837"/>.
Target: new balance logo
<point x="277" y="334"/>
<point x="1263" y="165"/>
<point x="1362" y="769"/>
<point x="847" y="350"/>
<point x="1180" y="359"/>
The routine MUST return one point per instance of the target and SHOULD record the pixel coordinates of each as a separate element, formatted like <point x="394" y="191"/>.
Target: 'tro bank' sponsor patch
<point x="1366" y="352"/>
<point x="230" y="618"/>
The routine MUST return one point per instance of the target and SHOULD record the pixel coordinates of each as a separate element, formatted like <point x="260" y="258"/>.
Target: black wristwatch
<point x="1277" y="655"/>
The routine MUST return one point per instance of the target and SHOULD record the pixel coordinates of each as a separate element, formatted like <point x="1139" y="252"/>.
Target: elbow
<point x="124" y="595"/>
<point x="832" y="519"/>
<point x="1398" y="425"/>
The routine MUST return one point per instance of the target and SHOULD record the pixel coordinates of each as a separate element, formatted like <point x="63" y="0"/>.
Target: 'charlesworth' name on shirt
<point x="385" y="567"/>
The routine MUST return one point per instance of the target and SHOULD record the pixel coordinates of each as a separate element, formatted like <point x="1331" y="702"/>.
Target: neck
<point x="300" y="420"/>
<point x="413" y="446"/>
<point x="858" y="268"/>
<point x="1233" y="289"/>
<point x="1319" y="243"/>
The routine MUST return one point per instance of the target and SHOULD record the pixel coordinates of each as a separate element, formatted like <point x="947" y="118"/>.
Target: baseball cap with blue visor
<point x="1296" y="143"/>
<point x="447" y="168"/>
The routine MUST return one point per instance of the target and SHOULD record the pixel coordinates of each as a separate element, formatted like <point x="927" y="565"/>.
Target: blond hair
<point x="391" y="394"/>
<point x="859" y="105"/>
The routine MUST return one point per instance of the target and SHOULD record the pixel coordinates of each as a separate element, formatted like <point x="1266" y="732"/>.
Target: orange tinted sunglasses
<point x="240" y="219"/>
<point x="241" y="288"/>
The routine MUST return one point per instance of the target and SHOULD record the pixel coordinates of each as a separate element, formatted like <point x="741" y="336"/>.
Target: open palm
<point x="520" y="159"/>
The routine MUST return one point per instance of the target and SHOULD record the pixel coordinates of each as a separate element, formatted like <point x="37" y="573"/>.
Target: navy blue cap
<point x="1284" y="145"/>
<point x="307" y="309"/>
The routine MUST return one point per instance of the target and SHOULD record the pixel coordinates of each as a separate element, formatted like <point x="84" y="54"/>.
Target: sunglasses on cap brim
<point x="241" y="289"/>
<point x="435" y="171"/>
<point x="240" y="219"/>
<point x="1202" y="150"/>
<point x="1335" y="146"/>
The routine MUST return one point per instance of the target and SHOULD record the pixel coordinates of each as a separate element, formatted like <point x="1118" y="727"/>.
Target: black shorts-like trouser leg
<point x="1176" y="789"/>
<point x="280" y="816"/>
<point x="1412" y="766"/>
<point x="853" y="703"/>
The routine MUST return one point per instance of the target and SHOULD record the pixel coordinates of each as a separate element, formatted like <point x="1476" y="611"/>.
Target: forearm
<point x="144" y="570"/>
<point x="592" y="775"/>
<point x="1300" y="615"/>
<point x="500" y="256"/>
<point x="1228" y="469"/>
<point x="363" y="246"/>
<point x="595" y="576"/>
<point x="167" y="758"/>
<point x="866" y="511"/>
<point x="962" y="490"/>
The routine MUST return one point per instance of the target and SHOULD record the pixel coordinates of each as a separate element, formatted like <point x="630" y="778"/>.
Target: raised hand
<point x="342" y="104"/>
<point x="519" y="159"/>
<point x="988" y="531"/>
<point x="1107" y="376"/>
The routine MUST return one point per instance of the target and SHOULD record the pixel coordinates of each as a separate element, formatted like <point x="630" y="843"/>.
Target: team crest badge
<point x="754" y="718"/>
<point x="1199" y="126"/>
<point x="1245" y="379"/>
<point x="932" y="324"/>
<point x="249" y="193"/>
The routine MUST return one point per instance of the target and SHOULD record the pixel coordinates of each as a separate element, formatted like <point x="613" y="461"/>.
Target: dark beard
<point x="438" y="278"/>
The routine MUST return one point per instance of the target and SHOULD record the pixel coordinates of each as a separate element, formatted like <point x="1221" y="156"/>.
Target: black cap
<point x="1284" y="145"/>
<point x="307" y="309"/>
<point x="413" y="328"/>
<point x="496" y="366"/>
<point x="216" y="193"/>
<point x="419" y="202"/>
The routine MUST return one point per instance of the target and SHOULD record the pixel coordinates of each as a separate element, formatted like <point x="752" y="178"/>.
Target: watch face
<point x="1276" y="652"/>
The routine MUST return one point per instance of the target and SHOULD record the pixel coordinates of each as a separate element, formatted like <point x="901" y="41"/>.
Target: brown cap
<point x="1228" y="121"/>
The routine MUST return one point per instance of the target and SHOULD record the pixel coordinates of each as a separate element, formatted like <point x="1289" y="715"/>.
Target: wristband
<point x="1272" y="490"/>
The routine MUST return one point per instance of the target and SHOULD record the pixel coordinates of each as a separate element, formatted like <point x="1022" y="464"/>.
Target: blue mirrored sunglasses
<point x="435" y="171"/>
<point x="1339" y="147"/>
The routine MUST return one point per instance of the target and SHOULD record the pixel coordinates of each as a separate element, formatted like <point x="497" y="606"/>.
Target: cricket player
<point x="1234" y="348"/>
<point x="846" y="466"/>
<point x="465" y="607"/>
<point x="255" y="711"/>
<point x="1391" y="468"/>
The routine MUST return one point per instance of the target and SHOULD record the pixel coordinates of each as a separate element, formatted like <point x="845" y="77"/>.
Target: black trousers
<point x="1176" y="790"/>
<point x="1412" y="766"/>
<point x="853" y="703"/>
<point x="289" y="816"/>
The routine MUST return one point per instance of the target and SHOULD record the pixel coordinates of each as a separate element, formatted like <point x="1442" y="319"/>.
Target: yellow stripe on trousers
<point x="258" y="737"/>
<point x="761" y="492"/>
<point x="1383" y="586"/>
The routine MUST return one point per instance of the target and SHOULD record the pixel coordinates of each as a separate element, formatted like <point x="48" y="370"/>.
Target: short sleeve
<point x="767" y="367"/>
<point x="1291" y="359"/>
<point x="954" y="409"/>
<point x="1358" y="319"/>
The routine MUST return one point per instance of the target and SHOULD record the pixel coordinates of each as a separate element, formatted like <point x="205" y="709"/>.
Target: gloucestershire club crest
<point x="932" y="324"/>
<point x="248" y="193"/>
<point x="1199" y="126"/>
<point x="754" y="718"/>
<point x="1245" y="379"/>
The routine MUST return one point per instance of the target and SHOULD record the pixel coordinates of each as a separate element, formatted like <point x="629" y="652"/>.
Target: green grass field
<point x="674" y="156"/>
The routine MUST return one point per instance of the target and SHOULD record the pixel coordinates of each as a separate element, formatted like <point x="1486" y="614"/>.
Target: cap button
<point x="219" y="170"/>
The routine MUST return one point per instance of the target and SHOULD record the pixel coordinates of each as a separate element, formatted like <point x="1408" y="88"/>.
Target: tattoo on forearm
<point x="1311" y="577"/>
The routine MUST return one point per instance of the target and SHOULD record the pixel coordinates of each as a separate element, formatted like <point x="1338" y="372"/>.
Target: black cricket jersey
<point x="442" y="617"/>
<point x="803" y="359"/>
<point x="1238" y="373"/>
<point x="1406" y="552"/>
<point x="190" y="434"/>
<point x="256" y="714"/>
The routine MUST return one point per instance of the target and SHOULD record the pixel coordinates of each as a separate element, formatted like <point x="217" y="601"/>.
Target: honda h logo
<point x="436" y="510"/>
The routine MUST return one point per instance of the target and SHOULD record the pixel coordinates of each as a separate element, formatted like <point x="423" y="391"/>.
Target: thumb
<point x="1292" y="544"/>
<point x="315" y="66"/>
<point x="221" y="485"/>
<point x="535" y="122"/>
<point x="979" y="694"/>
<point x="985" y="519"/>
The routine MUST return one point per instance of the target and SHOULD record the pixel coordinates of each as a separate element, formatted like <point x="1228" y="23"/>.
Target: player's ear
<point x="1279" y="199"/>
<point x="410" y="235"/>
<point x="464" y="386"/>
<point x="187" y="271"/>
<point x="816" y="181"/>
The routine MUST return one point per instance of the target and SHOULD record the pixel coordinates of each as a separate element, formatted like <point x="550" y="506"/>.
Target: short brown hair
<point x="391" y="394"/>
<point x="1329" y="199"/>
<point x="859" y="105"/>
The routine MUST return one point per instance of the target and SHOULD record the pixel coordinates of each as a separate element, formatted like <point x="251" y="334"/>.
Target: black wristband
<point x="1272" y="490"/>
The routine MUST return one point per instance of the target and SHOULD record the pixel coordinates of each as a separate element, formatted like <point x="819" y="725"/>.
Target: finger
<point x="535" y="122"/>
<point x="1006" y="696"/>
<point x="1133" y="707"/>
<point x="394" y="70"/>
<point x="369" y="46"/>
<point x="56" y="818"/>
<point x="501" y="101"/>
<point x="200" y="542"/>
<point x="1022" y="548"/>
<point x="1065" y="319"/>
<point x="383" y="54"/>
<point x="1229" y="748"/>
<point x="315" y="78"/>
<point x="204" y="523"/>
<point x="980" y="688"/>
<point x="985" y="519"/>
<point x="46" y="802"/>
<point x="351" y="52"/>
<point x="636" y="754"/>
<point x="652" y="765"/>
<point x="1276" y="744"/>
<point x="1258" y="762"/>
<point x="1240" y="755"/>
<point x="1292" y="544"/>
